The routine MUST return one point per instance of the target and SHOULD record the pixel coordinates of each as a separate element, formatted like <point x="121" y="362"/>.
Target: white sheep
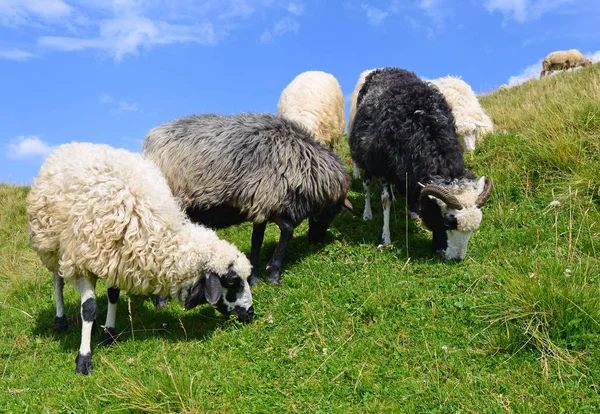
<point x="315" y="100"/>
<point x="353" y="105"/>
<point x="471" y="121"/>
<point x="563" y="60"/>
<point x="96" y="212"/>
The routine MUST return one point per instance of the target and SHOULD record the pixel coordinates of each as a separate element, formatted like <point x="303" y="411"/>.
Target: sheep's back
<point x="98" y="210"/>
<point x="404" y="125"/>
<point x="315" y="100"/>
<point x="261" y="164"/>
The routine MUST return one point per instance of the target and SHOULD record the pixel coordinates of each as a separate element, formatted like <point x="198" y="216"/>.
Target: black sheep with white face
<point x="404" y="133"/>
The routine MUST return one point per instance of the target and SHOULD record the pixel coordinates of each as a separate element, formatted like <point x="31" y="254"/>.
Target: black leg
<point x="258" y="235"/>
<point x="109" y="335"/>
<point x="274" y="266"/>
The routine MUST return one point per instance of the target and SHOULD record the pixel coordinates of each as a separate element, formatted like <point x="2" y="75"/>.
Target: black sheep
<point x="404" y="133"/>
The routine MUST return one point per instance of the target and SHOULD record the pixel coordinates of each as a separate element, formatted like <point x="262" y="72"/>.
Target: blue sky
<point x="108" y="71"/>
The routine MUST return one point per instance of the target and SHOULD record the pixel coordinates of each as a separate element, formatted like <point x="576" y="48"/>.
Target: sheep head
<point x="229" y="293"/>
<point x="452" y="212"/>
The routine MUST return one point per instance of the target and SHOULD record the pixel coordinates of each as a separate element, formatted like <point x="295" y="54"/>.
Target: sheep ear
<point x="213" y="289"/>
<point x="195" y="295"/>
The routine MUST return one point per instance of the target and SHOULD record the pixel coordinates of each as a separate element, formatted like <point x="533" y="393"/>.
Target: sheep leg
<point x="386" y="201"/>
<point x="258" y="235"/>
<point x="274" y="267"/>
<point x="60" y="320"/>
<point x="355" y="171"/>
<point x="367" y="214"/>
<point x="86" y="288"/>
<point x="109" y="334"/>
<point x="160" y="301"/>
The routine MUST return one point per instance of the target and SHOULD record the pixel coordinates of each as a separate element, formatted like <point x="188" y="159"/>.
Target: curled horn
<point x="485" y="194"/>
<point x="442" y="194"/>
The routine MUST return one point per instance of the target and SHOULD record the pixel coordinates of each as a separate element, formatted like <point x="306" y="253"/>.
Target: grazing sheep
<point x="315" y="100"/>
<point x="96" y="212"/>
<point x="404" y="133"/>
<point x="563" y="60"/>
<point x="470" y="119"/>
<point x="251" y="167"/>
<point x="353" y="104"/>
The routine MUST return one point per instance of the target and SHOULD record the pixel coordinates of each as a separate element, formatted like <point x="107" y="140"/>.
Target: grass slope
<point x="514" y="327"/>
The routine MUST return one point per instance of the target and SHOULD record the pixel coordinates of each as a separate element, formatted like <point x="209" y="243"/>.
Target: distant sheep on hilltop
<point x="563" y="60"/>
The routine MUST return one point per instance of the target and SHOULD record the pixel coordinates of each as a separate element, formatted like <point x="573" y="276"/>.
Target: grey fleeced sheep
<point x="315" y="100"/>
<point x="251" y="167"/>
<point x="96" y="212"/>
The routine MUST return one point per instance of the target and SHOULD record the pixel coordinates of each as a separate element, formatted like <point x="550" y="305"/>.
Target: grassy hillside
<point x="513" y="328"/>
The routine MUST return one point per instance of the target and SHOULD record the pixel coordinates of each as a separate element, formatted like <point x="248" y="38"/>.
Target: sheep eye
<point x="451" y="222"/>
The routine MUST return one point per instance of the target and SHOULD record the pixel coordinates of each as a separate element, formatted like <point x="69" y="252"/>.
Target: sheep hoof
<point x="253" y="279"/>
<point x="274" y="278"/>
<point x="367" y="215"/>
<point x="109" y="337"/>
<point x="60" y="323"/>
<point x="160" y="301"/>
<point x="84" y="364"/>
<point x="356" y="174"/>
<point x="413" y="215"/>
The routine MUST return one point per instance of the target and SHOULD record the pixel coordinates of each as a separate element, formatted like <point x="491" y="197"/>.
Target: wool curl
<point x="108" y="213"/>
<point x="315" y="100"/>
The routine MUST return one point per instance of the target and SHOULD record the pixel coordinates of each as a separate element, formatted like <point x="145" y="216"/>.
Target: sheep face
<point x="319" y="223"/>
<point x="587" y="62"/>
<point x="467" y="141"/>
<point x="452" y="213"/>
<point x="229" y="294"/>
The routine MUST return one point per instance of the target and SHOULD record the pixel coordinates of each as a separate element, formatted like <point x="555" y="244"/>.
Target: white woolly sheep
<point x="471" y="121"/>
<point x="96" y="212"/>
<point x="563" y="60"/>
<point x="315" y="100"/>
<point x="353" y="104"/>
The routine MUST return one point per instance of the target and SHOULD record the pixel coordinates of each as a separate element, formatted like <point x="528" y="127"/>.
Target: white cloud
<point x="105" y="99"/>
<point x="120" y="106"/>
<point x="28" y="147"/>
<point x="375" y="16"/>
<point x="296" y="8"/>
<point x="121" y="28"/>
<point x="127" y="107"/>
<point x="434" y="9"/>
<point x="523" y="10"/>
<point x="16" y="54"/>
<point x="19" y="12"/>
<point x="281" y="27"/>
<point x="125" y="35"/>
<point x="595" y="56"/>
<point x="530" y="72"/>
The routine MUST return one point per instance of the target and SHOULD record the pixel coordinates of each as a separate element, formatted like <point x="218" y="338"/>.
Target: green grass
<point x="514" y="327"/>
